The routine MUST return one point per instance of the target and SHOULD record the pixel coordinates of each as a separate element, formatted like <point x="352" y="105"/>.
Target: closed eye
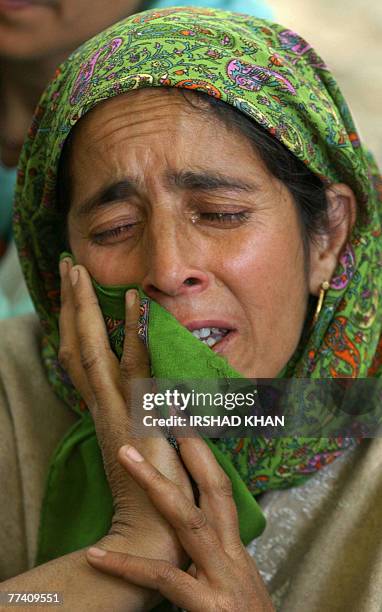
<point x="128" y="230"/>
<point x="227" y="218"/>
<point x="114" y="235"/>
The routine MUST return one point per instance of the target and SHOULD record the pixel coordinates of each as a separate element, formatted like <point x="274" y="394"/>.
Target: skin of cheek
<point x="245" y="274"/>
<point x="269" y="289"/>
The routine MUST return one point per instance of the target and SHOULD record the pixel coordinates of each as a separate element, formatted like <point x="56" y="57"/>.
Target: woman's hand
<point x="106" y="387"/>
<point x="223" y="575"/>
<point x="138" y="528"/>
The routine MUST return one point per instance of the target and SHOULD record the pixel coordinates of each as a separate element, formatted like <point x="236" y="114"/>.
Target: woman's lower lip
<point x="221" y="346"/>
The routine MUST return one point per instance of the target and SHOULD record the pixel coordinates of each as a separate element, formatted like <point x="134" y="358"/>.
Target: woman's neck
<point x="21" y="85"/>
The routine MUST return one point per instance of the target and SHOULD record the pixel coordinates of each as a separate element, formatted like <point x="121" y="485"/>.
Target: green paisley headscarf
<point x="274" y="77"/>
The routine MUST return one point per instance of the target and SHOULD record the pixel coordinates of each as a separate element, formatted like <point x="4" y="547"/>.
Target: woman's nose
<point x="174" y="266"/>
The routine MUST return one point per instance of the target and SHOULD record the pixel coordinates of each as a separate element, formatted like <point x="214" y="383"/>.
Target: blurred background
<point x="348" y="34"/>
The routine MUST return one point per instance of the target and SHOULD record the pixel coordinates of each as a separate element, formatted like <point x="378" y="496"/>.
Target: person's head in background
<point x="37" y="35"/>
<point x="38" y="30"/>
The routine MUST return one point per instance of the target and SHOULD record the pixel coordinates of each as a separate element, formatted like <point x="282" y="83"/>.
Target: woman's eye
<point x="113" y="235"/>
<point x="227" y="218"/>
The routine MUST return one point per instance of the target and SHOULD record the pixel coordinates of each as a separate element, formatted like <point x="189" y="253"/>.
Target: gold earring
<point x="324" y="287"/>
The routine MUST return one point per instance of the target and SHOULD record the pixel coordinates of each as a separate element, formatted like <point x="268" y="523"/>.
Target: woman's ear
<point x="326" y="248"/>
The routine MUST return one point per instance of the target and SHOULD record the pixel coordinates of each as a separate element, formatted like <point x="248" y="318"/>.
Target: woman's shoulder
<point x="24" y="385"/>
<point x="323" y="538"/>
<point x="32" y="422"/>
<point x="19" y="334"/>
<point x="21" y="369"/>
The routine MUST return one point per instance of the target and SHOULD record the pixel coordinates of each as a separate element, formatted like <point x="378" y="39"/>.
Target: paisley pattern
<point x="344" y="355"/>
<point x="274" y="77"/>
<point x="100" y="57"/>
<point x="290" y="41"/>
<point x="254" y="78"/>
<point x="345" y="269"/>
<point x="143" y="323"/>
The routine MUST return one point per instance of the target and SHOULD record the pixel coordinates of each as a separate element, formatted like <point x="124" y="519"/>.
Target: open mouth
<point x="210" y="335"/>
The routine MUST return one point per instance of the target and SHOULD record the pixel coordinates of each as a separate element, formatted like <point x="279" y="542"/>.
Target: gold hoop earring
<point x="324" y="287"/>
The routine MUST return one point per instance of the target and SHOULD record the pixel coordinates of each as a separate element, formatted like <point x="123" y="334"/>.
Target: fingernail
<point x="96" y="552"/>
<point x="74" y="276"/>
<point x="131" y="297"/>
<point x="131" y="453"/>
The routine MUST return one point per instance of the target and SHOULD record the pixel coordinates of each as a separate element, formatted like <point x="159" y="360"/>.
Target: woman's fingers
<point x="215" y="581"/>
<point x="69" y="353"/>
<point x="215" y="489"/>
<point x="85" y="352"/>
<point x="177" y="586"/>
<point x="195" y="533"/>
<point x="135" y="359"/>
<point x="99" y="363"/>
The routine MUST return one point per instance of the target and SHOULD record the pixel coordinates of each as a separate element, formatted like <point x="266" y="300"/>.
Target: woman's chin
<point x="236" y="356"/>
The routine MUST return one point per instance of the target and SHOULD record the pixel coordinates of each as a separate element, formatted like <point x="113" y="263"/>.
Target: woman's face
<point x="164" y="195"/>
<point x="31" y="29"/>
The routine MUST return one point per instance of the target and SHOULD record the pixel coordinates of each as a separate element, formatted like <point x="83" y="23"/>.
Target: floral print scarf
<point x="273" y="76"/>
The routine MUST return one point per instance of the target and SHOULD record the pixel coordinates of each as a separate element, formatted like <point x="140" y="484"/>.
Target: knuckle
<point x="220" y="486"/>
<point x="65" y="357"/>
<point x="89" y="359"/>
<point x="196" y="519"/>
<point x="125" y="565"/>
<point x="224" y="486"/>
<point x="236" y="548"/>
<point x="127" y="370"/>
<point x="131" y="327"/>
<point x="165" y="574"/>
<point x="228" y="604"/>
<point x="120" y="565"/>
<point x="132" y="364"/>
<point x="155" y="479"/>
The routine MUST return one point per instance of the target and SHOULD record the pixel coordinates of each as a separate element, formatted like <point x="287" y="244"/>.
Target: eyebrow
<point x="128" y="187"/>
<point x="115" y="192"/>
<point x="208" y="181"/>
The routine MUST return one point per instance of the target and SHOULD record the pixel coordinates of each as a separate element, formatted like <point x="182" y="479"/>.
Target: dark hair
<point x="306" y="188"/>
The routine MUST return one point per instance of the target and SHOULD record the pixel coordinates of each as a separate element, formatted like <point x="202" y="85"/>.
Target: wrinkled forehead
<point x="179" y="126"/>
<point x="153" y="136"/>
<point x="150" y="106"/>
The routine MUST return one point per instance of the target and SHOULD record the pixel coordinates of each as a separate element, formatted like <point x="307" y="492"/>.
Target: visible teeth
<point x="202" y="333"/>
<point x="210" y="335"/>
<point x="205" y="332"/>
<point x="196" y="333"/>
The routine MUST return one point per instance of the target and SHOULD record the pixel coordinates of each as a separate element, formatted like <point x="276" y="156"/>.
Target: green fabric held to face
<point x="78" y="463"/>
<point x="185" y="357"/>
<point x="273" y="76"/>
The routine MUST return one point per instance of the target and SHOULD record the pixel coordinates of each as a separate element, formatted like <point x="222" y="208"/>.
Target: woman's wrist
<point x="129" y="540"/>
<point x="160" y="542"/>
